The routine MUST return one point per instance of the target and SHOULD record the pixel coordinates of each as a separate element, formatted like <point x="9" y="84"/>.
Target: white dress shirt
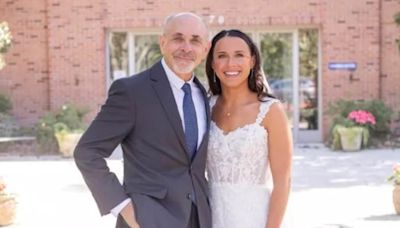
<point x="176" y="84"/>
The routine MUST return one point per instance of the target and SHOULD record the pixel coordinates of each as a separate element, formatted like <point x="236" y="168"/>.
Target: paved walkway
<point x="343" y="190"/>
<point x="330" y="190"/>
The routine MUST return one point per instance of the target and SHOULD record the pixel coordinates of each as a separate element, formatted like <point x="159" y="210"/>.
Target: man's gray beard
<point x="184" y="70"/>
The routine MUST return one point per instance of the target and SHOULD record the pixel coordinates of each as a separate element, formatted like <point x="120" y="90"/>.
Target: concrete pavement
<point x="330" y="190"/>
<point x="342" y="189"/>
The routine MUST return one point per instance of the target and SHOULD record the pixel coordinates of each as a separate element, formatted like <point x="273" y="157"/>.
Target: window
<point x="118" y="55"/>
<point x="131" y="53"/>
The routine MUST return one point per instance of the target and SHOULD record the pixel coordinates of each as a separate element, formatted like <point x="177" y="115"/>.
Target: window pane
<point x="308" y="83"/>
<point x="118" y="49"/>
<point x="200" y="73"/>
<point x="147" y="51"/>
<point x="276" y="54"/>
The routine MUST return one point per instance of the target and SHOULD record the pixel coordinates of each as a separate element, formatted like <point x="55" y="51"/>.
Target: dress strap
<point x="264" y="108"/>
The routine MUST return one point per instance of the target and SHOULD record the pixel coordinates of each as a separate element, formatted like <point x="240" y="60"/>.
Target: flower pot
<point x="67" y="142"/>
<point x="350" y="138"/>
<point x="7" y="210"/>
<point x="396" y="198"/>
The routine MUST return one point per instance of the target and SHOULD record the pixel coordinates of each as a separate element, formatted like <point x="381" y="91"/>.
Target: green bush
<point x="5" y="104"/>
<point x="5" y="42"/>
<point x="68" y="119"/>
<point x="8" y="124"/>
<point x="341" y="109"/>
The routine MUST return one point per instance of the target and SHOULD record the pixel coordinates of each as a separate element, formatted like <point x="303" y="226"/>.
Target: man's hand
<point x="128" y="214"/>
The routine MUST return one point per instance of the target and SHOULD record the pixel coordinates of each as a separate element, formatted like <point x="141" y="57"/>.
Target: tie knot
<point x="186" y="88"/>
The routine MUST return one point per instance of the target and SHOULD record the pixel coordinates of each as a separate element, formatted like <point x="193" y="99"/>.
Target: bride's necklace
<point x="228" y="113"/>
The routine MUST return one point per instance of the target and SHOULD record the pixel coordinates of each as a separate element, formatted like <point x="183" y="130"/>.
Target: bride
<point x="250" y="147"/>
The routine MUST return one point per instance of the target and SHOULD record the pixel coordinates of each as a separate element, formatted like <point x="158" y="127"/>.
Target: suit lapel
<point x="163" y="90"/>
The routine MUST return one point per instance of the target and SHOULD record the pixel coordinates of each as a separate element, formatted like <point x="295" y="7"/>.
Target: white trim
<point x="295" y="81"/>
<point x="320" y="97"/>
<point x="108" y="64"/>
<point x="138" y="31"/>
<point x="131" y="53"/>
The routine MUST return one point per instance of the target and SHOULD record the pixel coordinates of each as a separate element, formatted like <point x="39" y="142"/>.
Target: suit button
<point x="189" y="196"/>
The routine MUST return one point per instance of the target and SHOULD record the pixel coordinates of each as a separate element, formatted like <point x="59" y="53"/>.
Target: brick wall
<point x="74" y="42"/>
<point x="26" y="77"/>
<point x="77" y="53"/>
<point x="390" y="56"/>
<point x="350" y="33"/>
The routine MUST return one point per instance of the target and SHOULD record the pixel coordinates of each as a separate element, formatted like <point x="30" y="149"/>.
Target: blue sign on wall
<point x="342" y="66"/>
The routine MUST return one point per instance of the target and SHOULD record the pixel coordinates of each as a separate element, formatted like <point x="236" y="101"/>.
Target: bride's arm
<point x="280" y="147"/>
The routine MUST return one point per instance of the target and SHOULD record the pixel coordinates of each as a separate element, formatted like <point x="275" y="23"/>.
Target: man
<point x="161" y="119"/>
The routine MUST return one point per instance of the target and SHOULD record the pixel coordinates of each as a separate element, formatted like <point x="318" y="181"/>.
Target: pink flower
<point x="395" y="177"/>
<point x="396" y="167"/>
<point x="362" y="117"/>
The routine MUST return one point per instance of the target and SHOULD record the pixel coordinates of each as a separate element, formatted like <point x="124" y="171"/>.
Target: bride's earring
<point x="215" y="77"/>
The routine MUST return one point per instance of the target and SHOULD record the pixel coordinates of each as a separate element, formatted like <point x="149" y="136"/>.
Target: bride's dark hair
<point x="256" y="77"/>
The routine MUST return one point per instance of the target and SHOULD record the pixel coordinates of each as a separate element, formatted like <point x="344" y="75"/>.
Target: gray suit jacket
<point x="159" y="177"/>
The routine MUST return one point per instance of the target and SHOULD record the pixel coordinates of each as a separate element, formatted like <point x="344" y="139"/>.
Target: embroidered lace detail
<point x="239" y="156"/>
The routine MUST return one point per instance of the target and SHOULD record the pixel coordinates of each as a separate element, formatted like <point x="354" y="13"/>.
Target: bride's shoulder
<point x="270" y="106"/>
<point x="273" y="112"/>
<point x="268" y="102"/>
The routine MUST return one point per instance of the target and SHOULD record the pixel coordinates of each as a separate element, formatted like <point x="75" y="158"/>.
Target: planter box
<point x="7" y="211"/>
<point x="67" y="142"/>
<point x="351" y="138"/>
<point x="396" y="198"/>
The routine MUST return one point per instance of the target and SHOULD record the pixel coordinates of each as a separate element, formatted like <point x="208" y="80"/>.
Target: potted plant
<point x="356" y="121"/>
<point x="7" y="206"/>
<point x="395" y="178"/>
<point x="67" y="138"/>
<point x="353" y="131"/>
<point x="62" y="128"/>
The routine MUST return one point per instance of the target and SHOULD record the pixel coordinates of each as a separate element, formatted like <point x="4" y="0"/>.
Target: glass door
<point x="290" y="61"/>
<point x="308" y="95"/>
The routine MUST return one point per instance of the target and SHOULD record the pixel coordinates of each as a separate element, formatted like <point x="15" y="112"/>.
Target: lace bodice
<point x="240" y="156"/>
<point x="239" y="175"/>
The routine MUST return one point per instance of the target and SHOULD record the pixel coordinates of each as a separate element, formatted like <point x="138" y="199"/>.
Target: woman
<point x="250" y="147"/>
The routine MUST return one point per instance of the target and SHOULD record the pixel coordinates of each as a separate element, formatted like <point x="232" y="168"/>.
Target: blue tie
<point x="189" y="116"/>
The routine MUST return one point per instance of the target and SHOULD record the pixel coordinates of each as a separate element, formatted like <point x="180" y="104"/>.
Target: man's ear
<point x="161" y="42"/>
<point x="208" y="46"/>
<point x="206" y="49"/>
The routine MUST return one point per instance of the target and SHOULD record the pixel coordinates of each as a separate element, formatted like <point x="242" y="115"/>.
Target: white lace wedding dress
<point x="239" y="174"/>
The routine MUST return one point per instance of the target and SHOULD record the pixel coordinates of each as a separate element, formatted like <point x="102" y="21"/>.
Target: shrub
<point x="5" y="104"/>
